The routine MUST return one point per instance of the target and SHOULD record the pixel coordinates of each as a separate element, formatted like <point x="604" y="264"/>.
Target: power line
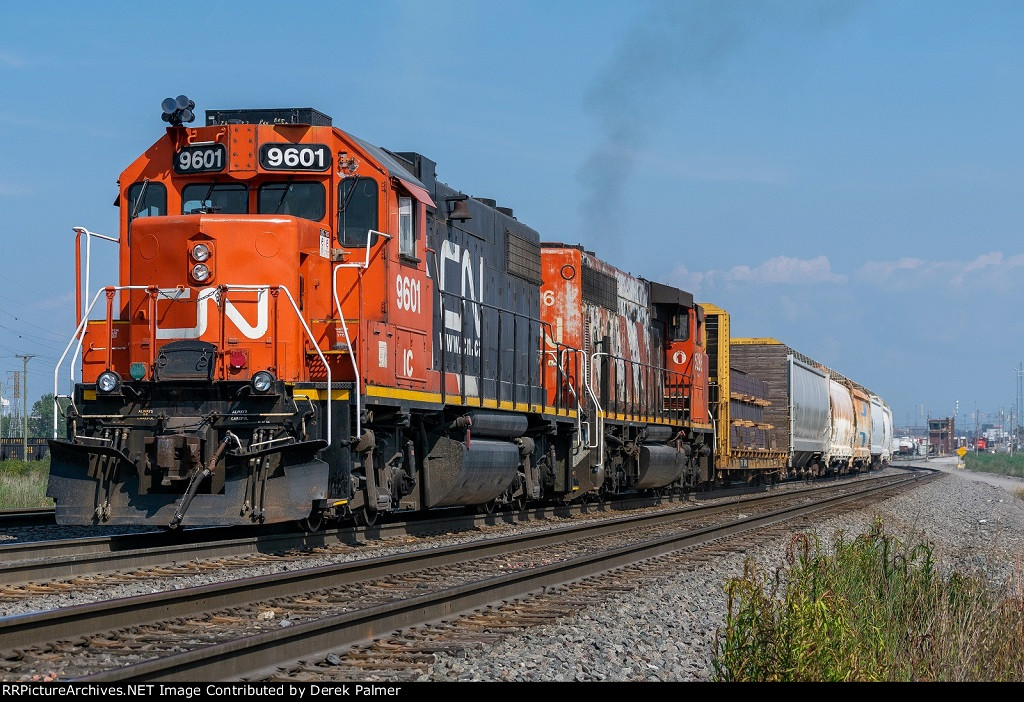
<point x="22" y="285"/>
<point x="22" y="335"/>
<point x="25" y="304"/>
<point x="32" y="324"/>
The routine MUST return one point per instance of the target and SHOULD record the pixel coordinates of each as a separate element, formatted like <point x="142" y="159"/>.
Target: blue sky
<point x="843" y="176"/>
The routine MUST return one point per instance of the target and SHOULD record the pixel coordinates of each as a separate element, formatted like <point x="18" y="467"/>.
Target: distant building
<point x="941" y="436"/>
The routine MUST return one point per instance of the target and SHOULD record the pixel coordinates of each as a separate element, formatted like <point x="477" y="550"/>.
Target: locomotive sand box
<point x="307" y="326"/>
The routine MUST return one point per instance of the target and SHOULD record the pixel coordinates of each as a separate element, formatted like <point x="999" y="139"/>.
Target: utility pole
<point x="14" y="418"/>
<point x="1019" y="404"/>
<point x="977" y="426"/>
<point x="952" y="427"/>
<point x="24" y="399"/>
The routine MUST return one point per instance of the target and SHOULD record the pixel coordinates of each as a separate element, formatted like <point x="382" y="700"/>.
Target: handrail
<point x="599" y="413"/>
<point x="305" y="327"/>
<point x="79" y="231"/>
<point x="79" y="337"/>
<point x="532" y="322"/>
<point x="579" y="404"/>
<point x="366" y="263"/>
<point x="660" y="411"/>
<point x="153" y="290"/>
<point x="344" y="326"/>
<point x="56" y="370"/>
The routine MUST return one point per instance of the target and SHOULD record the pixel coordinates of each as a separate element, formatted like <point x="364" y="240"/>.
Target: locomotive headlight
<point x="108" y="381"/>
<point x="200" y="252"/>
<point x="200" y="272"/>
<point x="262" y="381"/>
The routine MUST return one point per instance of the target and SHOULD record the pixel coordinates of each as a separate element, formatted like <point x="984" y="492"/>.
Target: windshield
<point x="226" y="198"/>
<point x="147" y="200"/>
<point x="357" y="210"/>
<point x="306" y="200"/>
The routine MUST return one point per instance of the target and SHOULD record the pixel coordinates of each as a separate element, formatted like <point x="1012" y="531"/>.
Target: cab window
<point x="406" y="228"/>
<point x="214" y="198"/>
<point x="357" y="210"/>
<point x="306" y="200"/>
<point x="680" y="330"/>
<point x="147" y="199"/>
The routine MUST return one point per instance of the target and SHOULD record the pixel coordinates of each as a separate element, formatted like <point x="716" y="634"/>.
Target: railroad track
<point x="232" y="630"/>
<point x="28" y="517"/>
<point x="34" y="562"/>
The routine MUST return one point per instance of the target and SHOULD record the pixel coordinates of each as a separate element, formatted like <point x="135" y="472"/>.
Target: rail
<point x="228" y="656"/>
<point x="153" y="293"/>
<point x="344" y="324"/>
<point x="645" y="387"/>
<point x="566" y="379"/>
<point x="537" y="331"/>
<point x="89" y="236"/>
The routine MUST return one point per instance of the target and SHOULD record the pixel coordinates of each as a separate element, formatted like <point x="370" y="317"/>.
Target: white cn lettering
<point x="207" y="295"/>
<point x="451" y="251"/>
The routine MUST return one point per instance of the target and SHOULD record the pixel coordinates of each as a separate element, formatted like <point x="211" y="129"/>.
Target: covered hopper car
<point x="820" y="419"/>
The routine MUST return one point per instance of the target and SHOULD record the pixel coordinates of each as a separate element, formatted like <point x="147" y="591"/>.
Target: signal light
<point x="138" y="370"/>
<point x="177" y="110"/>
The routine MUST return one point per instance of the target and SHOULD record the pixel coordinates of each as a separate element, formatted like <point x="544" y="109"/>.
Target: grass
<point x="872" y="609"/>
<point x="23" y="484"/>
<point x="1002" y="463"/>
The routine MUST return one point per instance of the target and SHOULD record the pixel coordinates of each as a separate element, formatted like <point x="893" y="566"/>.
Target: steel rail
<point x="11" y="518"/>
<point x="33" y="561"/>
<point x="248" y="657"/>
<point x="31" y="629"/>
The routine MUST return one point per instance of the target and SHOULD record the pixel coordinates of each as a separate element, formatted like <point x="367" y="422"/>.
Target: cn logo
<point x="206" y="296"/>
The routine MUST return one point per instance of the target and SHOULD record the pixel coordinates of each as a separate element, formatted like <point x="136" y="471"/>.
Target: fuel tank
<point x="659" y="466"/>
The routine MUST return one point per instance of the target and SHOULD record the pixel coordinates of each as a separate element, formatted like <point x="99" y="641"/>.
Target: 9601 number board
<point x="201" y="158"/>
<point x="295" y="157"/>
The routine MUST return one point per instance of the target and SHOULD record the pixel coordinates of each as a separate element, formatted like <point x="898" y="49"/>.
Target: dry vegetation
<point x="868" y="609"/>
<point x="23" y="484"/>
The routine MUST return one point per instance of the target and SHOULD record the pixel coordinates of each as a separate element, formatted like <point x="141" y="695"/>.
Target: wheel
<point x="487" y="507"/>
<point x="313" y="523"/>
<point x="519" y="501"/>
<point x="365" y="517"/>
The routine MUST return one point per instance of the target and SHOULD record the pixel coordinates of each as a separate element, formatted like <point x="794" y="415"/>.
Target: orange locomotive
<point x="307" y="326"/>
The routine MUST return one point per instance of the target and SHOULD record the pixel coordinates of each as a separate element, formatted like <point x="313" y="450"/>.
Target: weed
<point x="871" y="608"/>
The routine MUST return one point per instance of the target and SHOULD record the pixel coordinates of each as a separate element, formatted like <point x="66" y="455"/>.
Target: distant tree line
<point x="40" y="421"/>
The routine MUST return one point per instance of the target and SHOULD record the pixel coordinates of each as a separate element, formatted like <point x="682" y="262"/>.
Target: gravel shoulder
<point x="665" y="629"/>
<point x="948" y="465"/>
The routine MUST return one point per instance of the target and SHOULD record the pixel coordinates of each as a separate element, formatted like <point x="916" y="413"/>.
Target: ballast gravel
<point x="114" y="588"/>
<point x="665" y="629"/>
